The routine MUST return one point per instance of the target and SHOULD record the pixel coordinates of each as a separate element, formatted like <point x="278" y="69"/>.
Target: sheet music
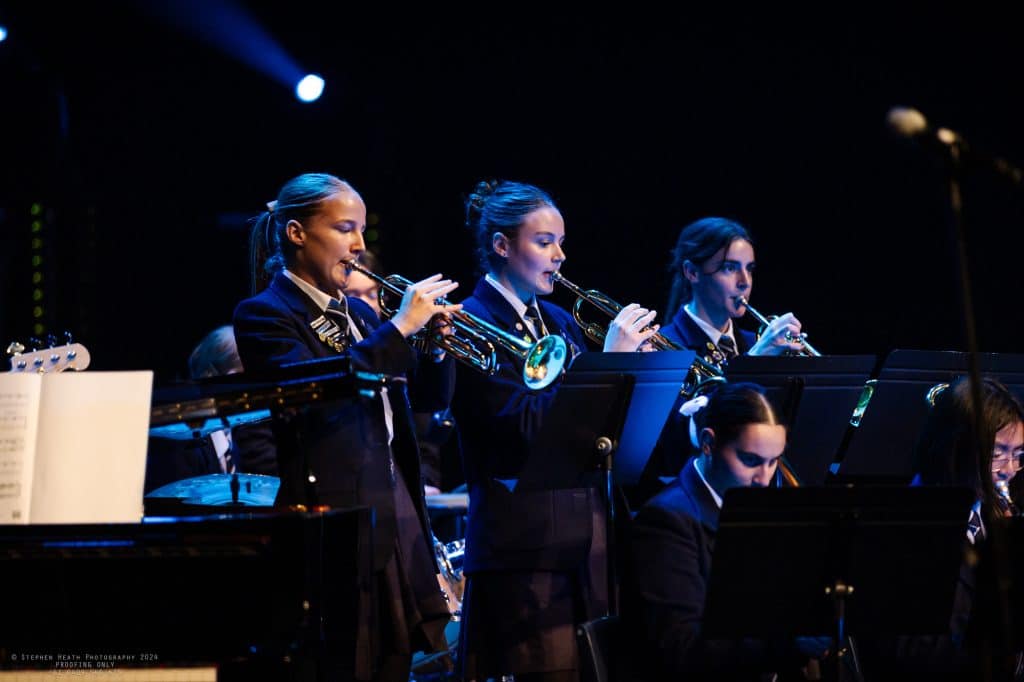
<point x="91" y="451"/>
<point x="19" y="414"/>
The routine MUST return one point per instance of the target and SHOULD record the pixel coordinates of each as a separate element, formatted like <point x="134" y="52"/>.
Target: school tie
<point x="727" y="345"/>
<point x="533" y="317"/>
<point x="230" y="466"/>
<point x="974" y="527"/>
<point x="337" y="312"/>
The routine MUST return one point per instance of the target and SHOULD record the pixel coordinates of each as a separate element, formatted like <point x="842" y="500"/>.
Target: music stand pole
<point x="846" y="651"/>
<point x="996" y="545"/>
<point x="606" y="448"/>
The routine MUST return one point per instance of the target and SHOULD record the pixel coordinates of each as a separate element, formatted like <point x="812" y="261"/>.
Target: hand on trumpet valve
<point x="421" y="301"/>
<point x="781" y="337"/>
<point x="440" y="325"/>
<point x="630" y="329"/>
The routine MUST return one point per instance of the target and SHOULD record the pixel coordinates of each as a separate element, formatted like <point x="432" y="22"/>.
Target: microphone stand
<point x="996" y="545"/>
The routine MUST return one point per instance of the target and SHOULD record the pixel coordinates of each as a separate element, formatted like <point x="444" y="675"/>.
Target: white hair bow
<point x="693" y="406"/>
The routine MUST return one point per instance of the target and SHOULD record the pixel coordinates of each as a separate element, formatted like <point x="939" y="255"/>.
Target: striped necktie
<point x="727" y="345"/>
<point x="975" y="527"/>
<point x="533" y="317"/>
<point x="337" y="312"/>
<point x="230" y="465"/>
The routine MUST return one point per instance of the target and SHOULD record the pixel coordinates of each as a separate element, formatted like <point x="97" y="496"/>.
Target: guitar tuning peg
<point x="51" y="341"/>
<point x="34" y="343"/>
<point x="15" y="348"/>
<point x="67" y="338"/>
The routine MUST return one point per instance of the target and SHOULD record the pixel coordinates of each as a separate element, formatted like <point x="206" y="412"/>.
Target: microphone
<point x="910" y="123"/>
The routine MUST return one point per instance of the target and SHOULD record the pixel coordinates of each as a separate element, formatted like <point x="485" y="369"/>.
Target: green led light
<point x="371" y="235"/>
<point x="37" y="312"/>
<point x="38" y="329"/>
<point x="37" y="294"/>
<point x="37" y="226"/>
<point x="37" y="277"/>
<point x="37" y="243"/>
<point x="36" y="209"/>
<point x="37" y="261"/>
<point x="372" y="219"/>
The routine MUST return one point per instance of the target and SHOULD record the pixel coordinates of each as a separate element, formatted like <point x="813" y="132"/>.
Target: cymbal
<point x="454" y="501"/>
<point x="183" y="431"/>
<point x="215" y="489"/>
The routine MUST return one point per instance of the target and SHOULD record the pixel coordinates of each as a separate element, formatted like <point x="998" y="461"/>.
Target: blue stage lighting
<point x="310" y="88"/>
<point x="3" y="33"/>
<point x="228" y="26"/>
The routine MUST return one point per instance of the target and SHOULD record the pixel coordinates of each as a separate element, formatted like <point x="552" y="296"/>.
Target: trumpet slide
<point x="473" y="341"/>
<point x="703" y="372"/>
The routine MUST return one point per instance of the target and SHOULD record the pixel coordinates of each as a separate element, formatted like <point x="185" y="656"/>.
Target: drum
<point x="447" y="513"/>
<point x="449" y="560"/>
<point x="441" y="665"/>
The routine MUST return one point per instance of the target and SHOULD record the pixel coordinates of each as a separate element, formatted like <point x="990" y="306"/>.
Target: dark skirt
<point x="410" y="608"/>
<point x="525" y="622"/>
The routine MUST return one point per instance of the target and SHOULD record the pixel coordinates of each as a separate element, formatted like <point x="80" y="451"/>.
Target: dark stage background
<point x="146" y="149"/>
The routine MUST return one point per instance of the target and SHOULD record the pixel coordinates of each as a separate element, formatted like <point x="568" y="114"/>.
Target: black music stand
<point x="197" y="408"/>
<point x="848" y="561"/>
<point x="632" y="422"/>
<point x="232" y="398"/>
<point x="609" y="406"/>
<point x="999" y="597"/>
<point x="881" y="448"/>
<point x="816" y="396"/>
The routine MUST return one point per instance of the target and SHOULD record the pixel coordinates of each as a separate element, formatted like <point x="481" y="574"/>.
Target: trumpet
<point x="474" y="340"/>
<point x="1009" y="508"/>
<point x="703" y="373"/>
<point x="806" y="348"/>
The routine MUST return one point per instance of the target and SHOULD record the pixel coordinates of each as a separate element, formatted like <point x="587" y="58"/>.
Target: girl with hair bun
<point x="535" y="560"/>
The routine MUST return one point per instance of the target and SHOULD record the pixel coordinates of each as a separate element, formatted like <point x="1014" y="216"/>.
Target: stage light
<point x="3" y="33"/>
<point x="310" y="88"/>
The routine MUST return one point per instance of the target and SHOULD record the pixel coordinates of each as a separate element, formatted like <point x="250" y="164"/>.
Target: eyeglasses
<point x="1000" y="460"/>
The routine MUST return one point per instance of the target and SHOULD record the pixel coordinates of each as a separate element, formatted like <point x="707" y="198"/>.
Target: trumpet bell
<point x="544" y="361"/>
<point x="474" y="339"/>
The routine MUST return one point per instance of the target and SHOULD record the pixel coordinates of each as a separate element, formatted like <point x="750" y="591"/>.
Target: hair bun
<point x="478" y="199"/>
<point x="486" y="188"/>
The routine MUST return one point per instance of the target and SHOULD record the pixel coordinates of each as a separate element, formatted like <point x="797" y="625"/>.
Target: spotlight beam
<point x="227" y="26"/>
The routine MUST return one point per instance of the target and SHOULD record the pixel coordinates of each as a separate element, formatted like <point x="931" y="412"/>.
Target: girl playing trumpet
<point x="713" y="269"/>
<point x="535" y="560"/>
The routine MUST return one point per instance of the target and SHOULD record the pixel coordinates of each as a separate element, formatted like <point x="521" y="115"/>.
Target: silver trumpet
<point x="474" y="340"/>
<point x="703" y="372"/>
<point x="1003" y="490"/>
<point x="806" y="347"/>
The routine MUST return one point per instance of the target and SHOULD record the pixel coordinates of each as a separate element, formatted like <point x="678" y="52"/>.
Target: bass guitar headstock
<point x="52" y="358"/>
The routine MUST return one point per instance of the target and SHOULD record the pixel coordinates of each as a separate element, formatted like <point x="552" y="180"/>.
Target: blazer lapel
<point x="701" y="496"/>
<point x="501" y="310"/>
<point x="296" y="300"/>
<point x="304" y="309"/>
